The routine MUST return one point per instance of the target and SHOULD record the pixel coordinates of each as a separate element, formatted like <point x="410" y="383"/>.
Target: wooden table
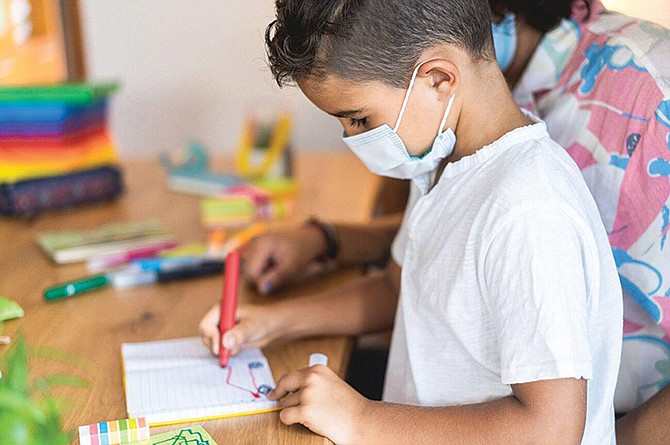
<point x="89" y="329"/>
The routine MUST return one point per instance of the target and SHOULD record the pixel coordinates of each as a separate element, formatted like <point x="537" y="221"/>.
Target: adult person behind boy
<point x="598" y="80"/>
<point x="601" y="83"/>
<point x="509" y="299"/>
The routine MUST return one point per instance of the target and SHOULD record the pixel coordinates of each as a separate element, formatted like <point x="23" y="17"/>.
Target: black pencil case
<point x="28" y="198"/>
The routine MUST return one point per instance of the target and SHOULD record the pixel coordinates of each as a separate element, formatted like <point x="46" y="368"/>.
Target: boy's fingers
<point x="211" y="317"/>
<point x="230" y="341"/>
<point x="289" y="383"/>
<point x="236" y="337"/>
<point x="209" y="329"/>
<point x="291" y="416"/>
<point x="292" y="399"/>
<point x="241" y="313"/>
<point x="211" y="338"/>
<point x="206" y="327"/>
<point x="215" y="344"/>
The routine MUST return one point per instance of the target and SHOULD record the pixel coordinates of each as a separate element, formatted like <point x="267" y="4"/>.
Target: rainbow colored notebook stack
<point x="55" y="148"/>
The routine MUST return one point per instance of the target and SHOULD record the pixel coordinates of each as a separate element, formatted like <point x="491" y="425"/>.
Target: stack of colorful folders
<point x="259" y="200"/>
<point x="231" y="201"/>
<point x="55" y="149"/>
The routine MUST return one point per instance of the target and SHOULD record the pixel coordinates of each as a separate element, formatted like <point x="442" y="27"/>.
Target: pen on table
<point x="202" y="269"/>
<point x="133" y="276"/>
<point x="75" y="287"/>
<point x="167" y="263"/>
<point x="229" y="302"/>
<point x="100" y="263"/>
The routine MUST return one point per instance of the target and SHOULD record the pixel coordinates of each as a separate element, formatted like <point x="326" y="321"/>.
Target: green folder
<point x="72" y="93"/>
<point x="193" y="435"/>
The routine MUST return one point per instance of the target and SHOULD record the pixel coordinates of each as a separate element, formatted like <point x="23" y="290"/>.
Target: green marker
<point x="76" y="287"/>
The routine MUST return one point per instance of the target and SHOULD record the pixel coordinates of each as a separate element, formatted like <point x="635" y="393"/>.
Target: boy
<point x="503" y="281"/>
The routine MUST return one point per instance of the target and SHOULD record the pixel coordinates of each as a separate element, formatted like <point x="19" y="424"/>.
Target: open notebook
<point x="175" y="381"/>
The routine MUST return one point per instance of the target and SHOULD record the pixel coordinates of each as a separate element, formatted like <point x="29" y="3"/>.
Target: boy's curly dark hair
<point x="371" y="40"/>
<point x="542" y="15"/>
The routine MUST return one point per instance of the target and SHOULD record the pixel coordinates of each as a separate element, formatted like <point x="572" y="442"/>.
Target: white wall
<point x="654" y="10"/>
<point x="190" y="69"/>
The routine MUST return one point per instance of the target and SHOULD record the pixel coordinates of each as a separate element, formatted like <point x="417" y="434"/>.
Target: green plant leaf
<point x="52" y="407"/>
<point x="44" y="352"/>
<point x="19" y="405"/>
<point x="15" y="374"/>
<point x="14" y="429"/>
<point x="29" y="415"/>
<point x="50" y="432"/>
<point x="51" y="410"/>
<point x="44" y="384"/>
<point x="65" y="403"/>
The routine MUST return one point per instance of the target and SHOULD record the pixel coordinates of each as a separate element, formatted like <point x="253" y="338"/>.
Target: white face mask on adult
<point x="384" y="153"/>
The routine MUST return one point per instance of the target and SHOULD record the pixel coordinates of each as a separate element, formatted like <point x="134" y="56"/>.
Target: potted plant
<point x="29" y="413"/>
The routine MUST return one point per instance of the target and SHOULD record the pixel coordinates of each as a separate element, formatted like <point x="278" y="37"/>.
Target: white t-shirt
<point x="507" y="277"/>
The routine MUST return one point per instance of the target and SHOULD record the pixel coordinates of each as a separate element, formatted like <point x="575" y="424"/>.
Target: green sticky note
<point x="195" y="435"/>
<point x="9" y="309"/>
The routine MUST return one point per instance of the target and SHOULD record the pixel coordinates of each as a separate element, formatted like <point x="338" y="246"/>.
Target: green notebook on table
<point x="72" y="246"/>
<point x="194" y="435"/>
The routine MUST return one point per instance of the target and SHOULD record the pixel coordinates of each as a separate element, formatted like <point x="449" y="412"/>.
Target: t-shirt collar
<point x="534" y="131"/>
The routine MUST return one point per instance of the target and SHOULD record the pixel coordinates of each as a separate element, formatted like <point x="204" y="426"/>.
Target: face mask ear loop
<point x="446" y="114"/>
<point x="409" y="91"/>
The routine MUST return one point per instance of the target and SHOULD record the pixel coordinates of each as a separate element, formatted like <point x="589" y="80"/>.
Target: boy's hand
<point x="256" y="327"/>
<point x="273" y="259"/>
<point x="318" y="399"/>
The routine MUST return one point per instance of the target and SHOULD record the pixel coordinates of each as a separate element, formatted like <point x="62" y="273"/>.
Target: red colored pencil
<point x="229" y="302"/>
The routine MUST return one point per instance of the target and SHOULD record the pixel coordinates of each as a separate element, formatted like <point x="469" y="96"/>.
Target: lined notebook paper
<point x="176" y="381"/>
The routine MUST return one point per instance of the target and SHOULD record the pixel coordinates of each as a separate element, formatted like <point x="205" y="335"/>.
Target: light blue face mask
<point x="384" y="153"/>
<point x="505" y="40"/>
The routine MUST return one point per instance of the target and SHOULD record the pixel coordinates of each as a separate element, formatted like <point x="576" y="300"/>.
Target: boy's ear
<point x="444" y="76"/>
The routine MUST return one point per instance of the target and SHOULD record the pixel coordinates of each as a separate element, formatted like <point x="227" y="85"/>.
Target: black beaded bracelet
<point x="330" y="235"/>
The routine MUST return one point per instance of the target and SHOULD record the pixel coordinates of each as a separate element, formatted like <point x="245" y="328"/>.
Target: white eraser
<point x="318" y="359"/>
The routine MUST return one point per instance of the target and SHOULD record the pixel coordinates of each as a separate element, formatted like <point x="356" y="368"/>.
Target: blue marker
<point x="133" y="276"/>
<point x="165" y="264"/>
